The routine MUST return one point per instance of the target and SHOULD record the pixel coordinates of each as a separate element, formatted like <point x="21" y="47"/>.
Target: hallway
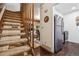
<point x="37" y="29"/>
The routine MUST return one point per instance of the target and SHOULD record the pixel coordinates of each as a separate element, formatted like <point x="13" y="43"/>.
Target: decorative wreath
<point x="46" y="19"/>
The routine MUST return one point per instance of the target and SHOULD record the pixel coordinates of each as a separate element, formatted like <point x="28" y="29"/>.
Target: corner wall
<point x="46" y="31"/>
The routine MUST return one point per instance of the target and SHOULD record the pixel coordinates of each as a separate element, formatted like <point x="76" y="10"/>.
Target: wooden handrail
<point x="1" y="18"/>
<point x="2" y="12"/>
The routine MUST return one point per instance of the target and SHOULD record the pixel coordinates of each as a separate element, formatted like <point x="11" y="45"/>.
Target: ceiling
<point x="37" y="4"/>
<point x="37" y="10"/>
<point x="67" y="8"/>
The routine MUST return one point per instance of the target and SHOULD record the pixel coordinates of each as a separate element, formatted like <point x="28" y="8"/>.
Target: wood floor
<point x="69" y="49"/>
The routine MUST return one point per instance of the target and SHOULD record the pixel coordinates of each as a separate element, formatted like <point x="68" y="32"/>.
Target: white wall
<point x="70" y="26"/>
<point x="13" y="6"/>
<point x="37" y="12"/>
<point x="46" y="36"/>
<point x="56" y="12"/>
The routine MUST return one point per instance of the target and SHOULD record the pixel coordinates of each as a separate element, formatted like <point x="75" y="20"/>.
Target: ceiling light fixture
<point x="73" y="8"/>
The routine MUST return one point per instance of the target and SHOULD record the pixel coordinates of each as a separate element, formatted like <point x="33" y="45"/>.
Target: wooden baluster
<point x="33" y="29"/>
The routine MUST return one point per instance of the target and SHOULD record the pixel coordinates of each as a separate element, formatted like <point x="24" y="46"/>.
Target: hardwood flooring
<point x="69" y="49"/>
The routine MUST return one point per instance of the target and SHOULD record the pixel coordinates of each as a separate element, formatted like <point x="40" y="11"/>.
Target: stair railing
<point x="2" y="12"/>
<point x="28" y="20"/>
<point x="33" y="29"/>
<point x="1" y="17"/>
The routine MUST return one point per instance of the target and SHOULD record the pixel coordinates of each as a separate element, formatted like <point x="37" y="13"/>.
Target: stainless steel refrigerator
<point x="58" y="32"/>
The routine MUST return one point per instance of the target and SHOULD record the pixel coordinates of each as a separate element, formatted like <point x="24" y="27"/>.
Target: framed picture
<point x="77" y="21"/>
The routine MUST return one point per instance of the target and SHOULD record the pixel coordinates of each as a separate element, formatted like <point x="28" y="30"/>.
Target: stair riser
<point x="15" y="51"/>
<point x="10" y="31"/>
<point x="12" y="24"/>
<point x="12" y="21"/>
<point x="12" y="18"/>
<point x="4" y="48"/>
<point x="12" y="37"/>
<point x="12" y="34"/>
<point x="17" y="16"/>
<point x="11" y="42"/>
<point x="12" y="13"/>
<point x="11" y="27"/>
